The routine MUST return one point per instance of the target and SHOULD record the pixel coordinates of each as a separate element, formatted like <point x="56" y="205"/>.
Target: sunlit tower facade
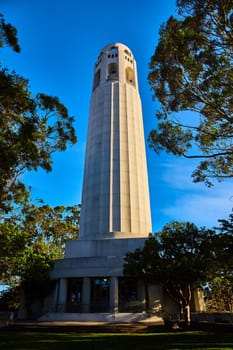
<point x="115" y="200"/>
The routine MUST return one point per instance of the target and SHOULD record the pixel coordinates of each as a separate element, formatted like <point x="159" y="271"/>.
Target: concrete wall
<point x="102" y="247"/>
<point x="213" y="317"/>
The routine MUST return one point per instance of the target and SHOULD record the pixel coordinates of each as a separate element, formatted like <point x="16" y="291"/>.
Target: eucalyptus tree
<point x="191" y="75"/>
<point x="32" y="128"/>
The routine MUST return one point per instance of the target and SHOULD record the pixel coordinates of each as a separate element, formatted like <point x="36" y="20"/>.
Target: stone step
<point x="102" y="317"/>
<point x="84" y="327"/>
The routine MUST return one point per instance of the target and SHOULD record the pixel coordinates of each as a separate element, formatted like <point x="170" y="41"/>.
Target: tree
<point x="181" y="257"/>
<point x="29" y="241"/>
<point x="225" y="236"/>
<point x="52" y="225"/>
<point x="32" y="228"/>
<point x="35" y="281"/>
<point x="191" y="74"/>
<point x="13" y="242"/>
<point x="8" y="35"/>
<point x="226" y="227"/>
<point x="219" y="292"/>
<point x="32" y="128"/>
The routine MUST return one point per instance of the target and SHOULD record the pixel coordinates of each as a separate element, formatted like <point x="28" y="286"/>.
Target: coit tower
<point x="115" y="198"/>
<point x="90" y="284"/>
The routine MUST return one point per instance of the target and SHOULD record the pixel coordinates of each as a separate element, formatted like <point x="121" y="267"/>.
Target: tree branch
<point x="208" y="156"/>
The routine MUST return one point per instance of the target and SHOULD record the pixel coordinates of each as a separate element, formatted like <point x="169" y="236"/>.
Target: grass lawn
<point x="25" y="340"/>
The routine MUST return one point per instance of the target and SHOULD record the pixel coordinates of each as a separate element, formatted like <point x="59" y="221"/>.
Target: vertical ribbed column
<point x="114" y="298"/>
<point x="125" y="158"/>
<point x="115" y="161"/>
<point x="86" y="294"/>
<point x="105" y="181"/>
<point x="133" y="173"/>
<point x="62" y="298"/>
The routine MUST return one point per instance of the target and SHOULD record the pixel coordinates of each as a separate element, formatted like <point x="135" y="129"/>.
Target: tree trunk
<point x="187" y="315"/>
<point x="147" y="297"/>
<point x="29" y="309"/>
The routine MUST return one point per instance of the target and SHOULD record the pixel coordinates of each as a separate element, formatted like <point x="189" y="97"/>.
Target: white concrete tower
<point x="115" y="212"/>
<point x="115" y="199"/>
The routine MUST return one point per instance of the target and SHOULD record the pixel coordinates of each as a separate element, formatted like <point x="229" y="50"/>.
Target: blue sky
<point x="60" y="41"/>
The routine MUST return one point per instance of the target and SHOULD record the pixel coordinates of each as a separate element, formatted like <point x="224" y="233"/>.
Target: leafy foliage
<point x="35" y="230"/>
<point x="13" y="240"/>
<point x="32" y="128"/>
<point x="29" y="241"/>
<point x="8" y="35"/>
<point x="191" y="70"/>
<point x="219" y="292"/>
<point x="181" y="257"/>
<point x="35" y="281"/>
<point x="52" y="225"/>
<point x="10" y="299"/>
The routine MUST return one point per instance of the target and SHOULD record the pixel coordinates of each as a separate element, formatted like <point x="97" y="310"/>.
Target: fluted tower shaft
<point x="115" y="199"/>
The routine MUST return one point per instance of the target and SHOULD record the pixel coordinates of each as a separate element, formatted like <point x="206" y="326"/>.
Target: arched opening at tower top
<point x="112" y="71"/>
<point x="114" y="50"/>
<point x="130" y="78"/>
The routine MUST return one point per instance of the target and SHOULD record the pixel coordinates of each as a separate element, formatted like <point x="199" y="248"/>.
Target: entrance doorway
<point x="74" y="295"/>
<point x="128" y="295"/>
<point x="100" y="294"/>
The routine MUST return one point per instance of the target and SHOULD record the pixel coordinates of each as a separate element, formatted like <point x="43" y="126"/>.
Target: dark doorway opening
<point x="128" y="296"/>
<point x="74" y="295"/>
<point x="100" y="294"/>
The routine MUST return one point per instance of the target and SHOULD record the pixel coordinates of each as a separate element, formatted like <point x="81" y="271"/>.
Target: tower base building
<point x="91" y="284"/>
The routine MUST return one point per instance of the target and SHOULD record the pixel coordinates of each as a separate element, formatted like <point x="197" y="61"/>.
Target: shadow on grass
<point x="100" y="341"/>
